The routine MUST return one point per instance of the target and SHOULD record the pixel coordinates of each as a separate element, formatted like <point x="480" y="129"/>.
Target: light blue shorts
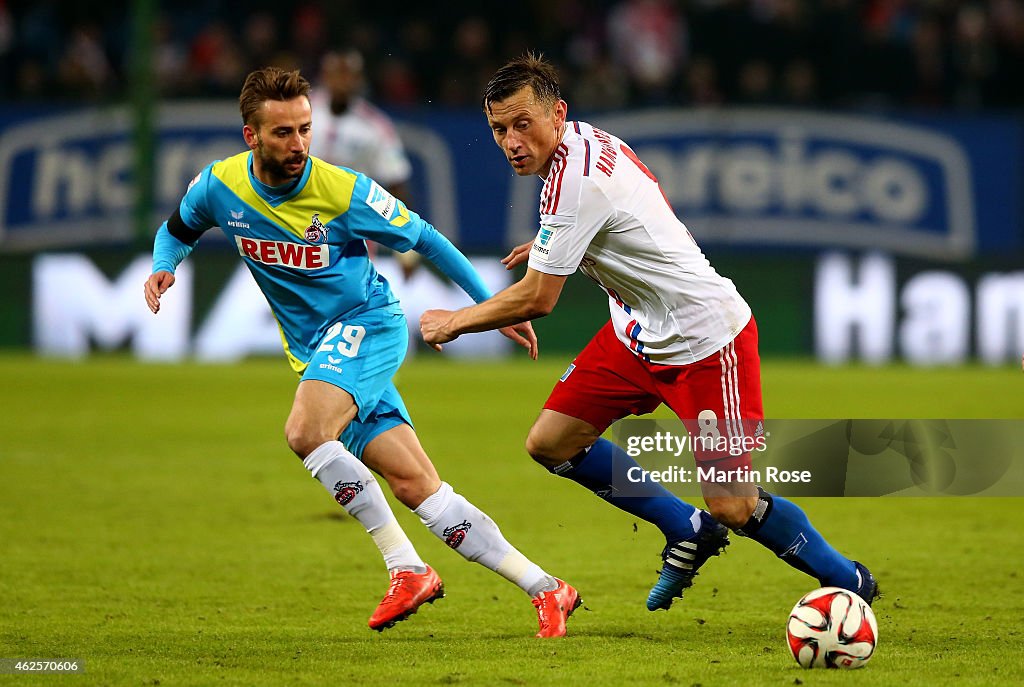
<point x="361" y="355"/>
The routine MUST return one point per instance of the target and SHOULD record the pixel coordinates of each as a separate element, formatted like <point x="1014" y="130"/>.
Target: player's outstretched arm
<point x="432" y="329"/>
<point x="533" y="296"/>
<point x="155" y="287"/>
<point x="168" y="252"/>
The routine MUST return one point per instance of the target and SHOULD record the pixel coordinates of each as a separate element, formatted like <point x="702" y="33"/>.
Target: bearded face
<point x="281" y="165"/>
<point x="280" y="140"/>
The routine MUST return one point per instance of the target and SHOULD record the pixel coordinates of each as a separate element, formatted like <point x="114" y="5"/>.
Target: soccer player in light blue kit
<point x="300" y="225"/>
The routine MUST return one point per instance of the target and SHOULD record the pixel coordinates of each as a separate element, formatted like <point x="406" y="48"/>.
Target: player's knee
<point x="732" y="511"/>
<point x="412" y="490"/>
<point x="409" y="493"/>
<point x="542" y="449"/>
<point x="299" y="445"/>
<point x="301" y="440"/>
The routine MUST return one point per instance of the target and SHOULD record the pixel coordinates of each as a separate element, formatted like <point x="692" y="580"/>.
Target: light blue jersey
<point x="305" y="245"/>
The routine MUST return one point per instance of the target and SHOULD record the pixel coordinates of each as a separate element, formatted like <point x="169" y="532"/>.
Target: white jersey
<point x="603" y="212"/>
<point x="361" y="138"/>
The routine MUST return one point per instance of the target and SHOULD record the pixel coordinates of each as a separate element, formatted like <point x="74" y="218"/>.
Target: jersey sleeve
<point x="376" y="215"/>
<point x="195" y="208"/>
<point x="450" y="260"/>
<point x="565" y="234"/>
<point x="180" y="233"/>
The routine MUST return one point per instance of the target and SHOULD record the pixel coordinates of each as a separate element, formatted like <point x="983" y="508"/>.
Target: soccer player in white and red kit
<point x="352" y="131"/>
<point x="679" y="334"/>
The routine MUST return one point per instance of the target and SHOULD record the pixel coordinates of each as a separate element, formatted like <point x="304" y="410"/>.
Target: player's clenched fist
<point x="433" y="327"/>
<point x="155" y="286"/>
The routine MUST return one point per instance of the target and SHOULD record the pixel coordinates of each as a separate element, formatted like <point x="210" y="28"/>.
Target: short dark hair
<point x="269" y="83"/>
<point x="528" y="70"/>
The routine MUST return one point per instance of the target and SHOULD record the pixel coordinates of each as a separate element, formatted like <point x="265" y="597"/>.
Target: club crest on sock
<point x="344" y="492"/>
<point x="456" y="534"/>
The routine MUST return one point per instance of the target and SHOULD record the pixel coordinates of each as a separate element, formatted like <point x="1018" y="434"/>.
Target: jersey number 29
<point x="351" y="336"/>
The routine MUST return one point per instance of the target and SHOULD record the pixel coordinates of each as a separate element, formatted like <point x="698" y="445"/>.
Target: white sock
<point x="356" y="490"/>
<point x="468" y="530"/>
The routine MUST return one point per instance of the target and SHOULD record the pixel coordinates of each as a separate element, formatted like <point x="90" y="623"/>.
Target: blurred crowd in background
<point x="612" y="54"/>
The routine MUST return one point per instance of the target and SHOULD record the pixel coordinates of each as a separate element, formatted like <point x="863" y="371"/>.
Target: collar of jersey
<point x="275" y="195"/>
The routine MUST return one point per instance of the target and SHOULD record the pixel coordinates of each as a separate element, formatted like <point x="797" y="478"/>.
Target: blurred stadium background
<point x="856" y="167"/>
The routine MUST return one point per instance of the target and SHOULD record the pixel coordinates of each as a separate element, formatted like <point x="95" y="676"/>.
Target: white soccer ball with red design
<point x="832" y="628"/>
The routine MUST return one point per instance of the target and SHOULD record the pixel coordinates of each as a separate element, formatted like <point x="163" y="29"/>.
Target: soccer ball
<point x="832" y="628"/>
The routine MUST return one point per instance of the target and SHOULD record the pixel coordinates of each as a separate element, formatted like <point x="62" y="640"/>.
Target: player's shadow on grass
<point x="337" y="516"/>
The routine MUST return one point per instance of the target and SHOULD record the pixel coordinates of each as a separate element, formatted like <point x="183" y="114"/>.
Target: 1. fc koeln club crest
<point x="344" y="492"/>
<point x="316" y="232"/>
<point x="454" y="535"/>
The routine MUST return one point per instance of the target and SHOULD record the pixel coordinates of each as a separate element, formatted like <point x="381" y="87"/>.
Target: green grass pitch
<point x="154" y="524"/>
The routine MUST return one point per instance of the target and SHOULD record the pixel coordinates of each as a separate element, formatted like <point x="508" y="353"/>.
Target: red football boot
<point x="408" y="591"/>
<point x="554" y="608"/>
